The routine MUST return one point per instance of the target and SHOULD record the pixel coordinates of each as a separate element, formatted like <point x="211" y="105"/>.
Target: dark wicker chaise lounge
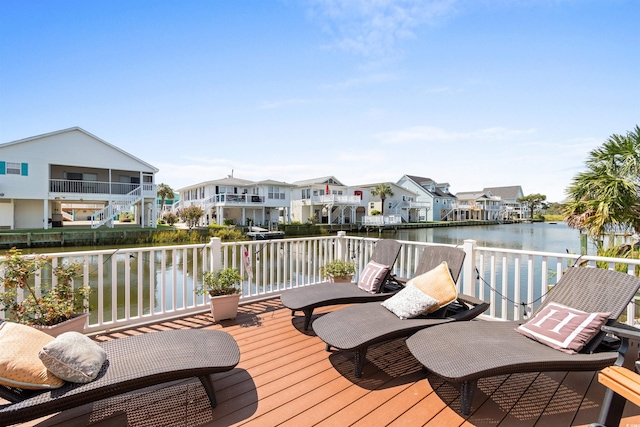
<point x="133" y="363"/>
<point x="466" y="352"/>
<point x="357" y="327"/>
<point x="323" y="294"/>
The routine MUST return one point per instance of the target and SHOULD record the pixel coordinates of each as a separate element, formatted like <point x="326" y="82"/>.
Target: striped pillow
<point x="372" y="276"/>
<point x="563" y="328"/>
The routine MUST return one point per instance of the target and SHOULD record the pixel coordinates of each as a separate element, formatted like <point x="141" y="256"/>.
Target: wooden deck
<point x="285" y="377"/>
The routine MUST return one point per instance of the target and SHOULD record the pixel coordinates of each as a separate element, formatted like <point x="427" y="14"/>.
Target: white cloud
<point x="372" y="28"/>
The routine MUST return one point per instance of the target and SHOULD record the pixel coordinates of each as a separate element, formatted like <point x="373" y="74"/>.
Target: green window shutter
<point x="24" y="169"/>
<point x="3" y="168"/>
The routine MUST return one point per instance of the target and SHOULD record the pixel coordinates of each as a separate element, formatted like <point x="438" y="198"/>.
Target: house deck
<point x="285" y="377"/>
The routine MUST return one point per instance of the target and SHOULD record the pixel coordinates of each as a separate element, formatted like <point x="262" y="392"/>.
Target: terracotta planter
<point x="224" y="306"/>
<point x="339" y="279"/>
<point x="75" y="324"/>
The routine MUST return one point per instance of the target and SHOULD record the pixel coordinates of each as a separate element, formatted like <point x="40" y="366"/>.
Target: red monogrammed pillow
<point x="563" y="328"/>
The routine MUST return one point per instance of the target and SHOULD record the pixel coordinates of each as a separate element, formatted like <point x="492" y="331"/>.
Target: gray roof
<point x="511" y="192"/>
<point x="322" y="180"/>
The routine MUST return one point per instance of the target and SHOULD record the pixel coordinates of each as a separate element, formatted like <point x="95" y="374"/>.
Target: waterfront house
<point x="509" y="195"/>
<point x="477" y="205"/>
<point x="402" y="204"/>
<point x="437" y="195"/>
<point x="327" y="201"/>
<point x="240" y="201"/>
<point x="44" y="176"/>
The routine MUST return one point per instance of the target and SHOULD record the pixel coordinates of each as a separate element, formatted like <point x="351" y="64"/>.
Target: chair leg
<point x="358" y="361"/>
<point x="611" y="410"/>
<point x="207" y="383"/>
<point x="467" y="389"/>
<point x="307" y="317"/>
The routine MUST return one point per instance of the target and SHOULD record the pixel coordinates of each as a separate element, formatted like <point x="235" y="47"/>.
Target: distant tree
<point x="383" y="190"/>
<point x="606" y="195"/>
<point x="191" y="216"/>
<point x="164" y="192"/>
<point x="170" y="218"/>
<point x="533" y="202"/>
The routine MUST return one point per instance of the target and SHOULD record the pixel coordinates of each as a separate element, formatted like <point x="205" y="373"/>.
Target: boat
<point x="259" y="233"/>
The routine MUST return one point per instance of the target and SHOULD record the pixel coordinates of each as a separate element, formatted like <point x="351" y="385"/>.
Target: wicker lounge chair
<point x="467" y="352"/>
<point x="622" y="380"/>
<point x="133" y="363"/>
<point x="323" y="294"/>
<point x="357" y="327"/>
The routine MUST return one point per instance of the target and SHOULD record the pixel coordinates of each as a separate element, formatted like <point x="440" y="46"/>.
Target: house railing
<point x="141" y="285"/>
<point x="336" y="198"/>
<point x="381" y="220"/>
<point x="99" y="187"/>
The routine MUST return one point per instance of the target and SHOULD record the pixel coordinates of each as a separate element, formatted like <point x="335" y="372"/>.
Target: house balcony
<point x="335" y="199"/>
<point x="419" y="205"/>
<point x="238" y="199"/>
<point x="96" y="190"/>
<point x="285" y="375"/>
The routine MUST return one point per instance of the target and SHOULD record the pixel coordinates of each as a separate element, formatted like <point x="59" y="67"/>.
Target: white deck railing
<point x="141" y="285"/>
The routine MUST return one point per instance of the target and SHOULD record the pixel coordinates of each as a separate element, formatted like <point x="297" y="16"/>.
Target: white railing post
<point x="215" y="261"/>
<point x="341" y="246"/>
<point x="469" y="268"/>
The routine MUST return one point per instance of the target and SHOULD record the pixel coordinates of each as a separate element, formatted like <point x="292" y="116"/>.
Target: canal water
<point x="537" y="236"/>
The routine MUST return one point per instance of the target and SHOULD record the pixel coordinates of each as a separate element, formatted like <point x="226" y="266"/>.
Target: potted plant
<point x="338" y="271"/>
<point x="224" y="292"/>
<point x="57" y="309"/>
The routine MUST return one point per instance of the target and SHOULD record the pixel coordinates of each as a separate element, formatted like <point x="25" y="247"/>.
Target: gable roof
<point x="274" y="183"/>
<point x="510" y="192"/>
<point x="438" y="191"/>
<point x="79" y="129"/>
<point x="322" y="180"/>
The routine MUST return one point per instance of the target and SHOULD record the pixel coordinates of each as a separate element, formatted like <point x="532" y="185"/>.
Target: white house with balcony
<point x="476" y="205"/>
<point x="240" y="201"/>
<point x="511" y="207"/>
<point x="326" y="200"/>
<point x="71" y="167"/>
<point x="402" y="206"/>
<point x="436" y="195"/>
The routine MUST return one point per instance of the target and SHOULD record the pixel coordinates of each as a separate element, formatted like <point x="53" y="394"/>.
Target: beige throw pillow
<point x="20" y="366"/>
<point x="438" y="284"/>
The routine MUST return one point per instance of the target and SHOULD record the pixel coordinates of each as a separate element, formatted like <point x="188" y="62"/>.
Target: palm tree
<point x="383" y="190"/>
<point x="607" y="195"/>
<point x="165" y="192"/>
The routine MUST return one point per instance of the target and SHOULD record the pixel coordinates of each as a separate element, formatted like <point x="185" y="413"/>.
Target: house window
<point x="14" y="168"/>
<point x="372" y="205"/>
<point x="275" y="193"/>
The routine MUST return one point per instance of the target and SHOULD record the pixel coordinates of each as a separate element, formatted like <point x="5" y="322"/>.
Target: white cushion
<point x="73" y="357"/>
<point x="409" y="302"/>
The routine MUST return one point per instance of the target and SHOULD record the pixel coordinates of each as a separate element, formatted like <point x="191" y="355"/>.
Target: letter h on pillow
<point x="372" y="277"/>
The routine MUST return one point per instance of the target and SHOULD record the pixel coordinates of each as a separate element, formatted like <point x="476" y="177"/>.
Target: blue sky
<point x="476" y="93"/>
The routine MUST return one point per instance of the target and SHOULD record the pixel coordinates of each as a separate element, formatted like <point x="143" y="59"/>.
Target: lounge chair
<point x="466" y="352"/>
<point x="622" y="380"/>
<point x="133" y="363"/>
<point x="324" y="294"/>
<point x="357" y="327"/>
